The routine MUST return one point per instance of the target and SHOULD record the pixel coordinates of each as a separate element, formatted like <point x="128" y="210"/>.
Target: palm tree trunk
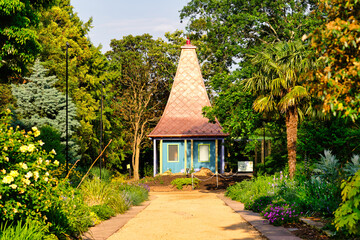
<point x="291" y="135"/>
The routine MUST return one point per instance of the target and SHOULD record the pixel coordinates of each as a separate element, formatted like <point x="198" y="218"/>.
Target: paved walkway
<point x="187" y="215"/>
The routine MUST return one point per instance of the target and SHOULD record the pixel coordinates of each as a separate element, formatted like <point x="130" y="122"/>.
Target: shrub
<point x="103" y="211"/>
<point x="328" y="167"/>
<point x="24" y="231"/>
<point x="135" y="194"/>
<point x="347" y="216"/>
<point x="259" y="204"/>
<point x="26" y="184"/>
<point x="279" y="213"/>
<point x="106" y="174"/>
<point x="180" y="182"/>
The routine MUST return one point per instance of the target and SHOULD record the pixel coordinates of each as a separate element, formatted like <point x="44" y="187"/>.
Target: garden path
<point x="186" y="215"/>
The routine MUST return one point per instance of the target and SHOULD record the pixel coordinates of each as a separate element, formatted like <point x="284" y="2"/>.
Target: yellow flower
<point x="36" y="175"/>
<point x="36" y="131"/>
<point x="31" y="147"/>
<point x="29" y="175"/>
<point x="23" y="148"/>
<point x="13" y="186"/>
<point x="8" y="179"/>
<point x="5" y="148"/>
<point x="53" y="151"/>
<point x="46" y="179"/>
<point x="40" y="160"/>
<point x="26" y="181"/>
<point x="56" y="162"/>
<point x="41" y="143"/>
<point x="23" y="165"/>
<point x="47" y="162"/>
<point x="6" y="159"/>
<point x="47" y="174"/>
<point x="8" y="110"/>
<point x="3" y="171"/>
<point x="14" y="173"/>
<point x="15" y="210"/>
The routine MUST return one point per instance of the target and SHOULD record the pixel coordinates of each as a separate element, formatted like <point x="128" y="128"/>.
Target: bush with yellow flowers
<point x="26" y="183"/>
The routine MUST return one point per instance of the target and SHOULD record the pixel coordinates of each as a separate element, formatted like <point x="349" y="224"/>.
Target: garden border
<point x="269" y="231"/>
<point x="108" y="227"/>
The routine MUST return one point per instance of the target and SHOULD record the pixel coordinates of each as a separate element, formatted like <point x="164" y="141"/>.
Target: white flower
<point x="14" y="173"/>
<point x="8" y="179"/>
<point x="26" y="181"/>
<point x="23" y="148"/>
<point x="29" y="175"/>
<point x="56" y="162"/>
<point x="47" y="162"/>
<point x="46" y="179"/>
<point x="40" y="161"/>
<point x="23" y="165"/>
<point x="53" y="151"/>
<point x="36" y="175"/>
<point x="13" y="186"/>
<point x="41" y="143"/>
<point x="47" y="174"/>
<point x="31" y="147"/>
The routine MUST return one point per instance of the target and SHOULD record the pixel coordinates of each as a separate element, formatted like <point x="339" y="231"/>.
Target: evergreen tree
<point x="40" y="103"/>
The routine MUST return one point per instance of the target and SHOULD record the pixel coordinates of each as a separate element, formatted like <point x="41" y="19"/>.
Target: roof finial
<point x="188" y="41"/>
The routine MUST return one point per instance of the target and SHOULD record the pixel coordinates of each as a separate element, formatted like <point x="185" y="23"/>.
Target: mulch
<point x="163" y="183"/>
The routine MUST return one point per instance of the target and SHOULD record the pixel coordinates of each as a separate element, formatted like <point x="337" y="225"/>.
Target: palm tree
<point x="277" y="84"/>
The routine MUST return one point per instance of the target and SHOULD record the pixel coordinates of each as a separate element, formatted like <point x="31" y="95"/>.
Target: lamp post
<point x="67" y="112"/>
<point x="101" y="123"/>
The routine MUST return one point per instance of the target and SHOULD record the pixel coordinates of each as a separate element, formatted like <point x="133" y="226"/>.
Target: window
<point x="204" y="152"/>
<point x="173" y="153"/>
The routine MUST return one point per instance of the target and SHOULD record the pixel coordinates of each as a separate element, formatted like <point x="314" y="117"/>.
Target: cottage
<point x="185" y="138"/>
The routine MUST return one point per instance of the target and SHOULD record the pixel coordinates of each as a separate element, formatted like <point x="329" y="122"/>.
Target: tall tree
<point x="87" y="65"/>
<point x="39" y="104"/>
<point x="144" y="69"/>
<point x="232" y="29"/>
<point x="278" y="85"/>
<point x="18" y="37"/>
<point x="336" y="43"/>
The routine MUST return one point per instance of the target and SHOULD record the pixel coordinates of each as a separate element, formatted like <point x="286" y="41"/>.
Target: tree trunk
<point x="137" y="158"/>
<point x="291" y="135"/>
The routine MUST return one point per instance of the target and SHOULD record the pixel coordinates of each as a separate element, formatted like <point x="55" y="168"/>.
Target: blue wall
<point x="180" y="166"/>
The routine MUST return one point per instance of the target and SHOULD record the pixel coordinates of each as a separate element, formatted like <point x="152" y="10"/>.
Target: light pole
<point x="101" y="123"/>
<point x="67" y="112"/>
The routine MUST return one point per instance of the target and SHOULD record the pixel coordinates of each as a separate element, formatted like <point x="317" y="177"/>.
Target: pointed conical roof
<point x="182" y="116"/>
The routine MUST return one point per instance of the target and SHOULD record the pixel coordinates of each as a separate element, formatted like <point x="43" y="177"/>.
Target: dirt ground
<point x="206" y="182"/>
<point x="186" y="215"/>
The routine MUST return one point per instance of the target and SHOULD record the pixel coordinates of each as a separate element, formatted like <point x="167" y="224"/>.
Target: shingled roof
<point x="182" y="116"/>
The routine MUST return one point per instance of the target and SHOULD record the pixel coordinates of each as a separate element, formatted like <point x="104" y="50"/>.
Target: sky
<point x="113" y="19"/>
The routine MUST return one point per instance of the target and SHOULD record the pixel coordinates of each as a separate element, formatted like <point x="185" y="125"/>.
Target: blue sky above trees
<point x="115" y="19"/>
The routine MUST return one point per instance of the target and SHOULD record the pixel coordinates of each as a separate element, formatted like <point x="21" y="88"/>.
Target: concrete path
<point x="186" y="215"/>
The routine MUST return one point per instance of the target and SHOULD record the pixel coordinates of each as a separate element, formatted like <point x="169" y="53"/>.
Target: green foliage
<point x="336" y="45"/>
<point x="135" y="194"/>
<point x="335" y="134"/>
<point x="40" y="103"/>
<point x="106" y="174"/>
<point x="87" y="65"/>
<point x="141" y="67"/>
<point x="103" y="211"/>
<point x="279" y="213"/>
<point x="231" y="29"/>
<point x="352" y="167"/>
<point x="180" y="182"/>
<point x="347" y="216"/>
<point x="27" y="187"/>
<point x="259" y="204"/>
<point x="52" y="140"/>
<point x="69" y="215"/>
<point x="19" y="43"/>
<point x="327" y="168"/>
<point x="29" y="230"/>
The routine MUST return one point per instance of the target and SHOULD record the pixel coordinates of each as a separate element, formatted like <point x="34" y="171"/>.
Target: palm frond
<point x="264" y="104"/>
<point x="293" y="98"/>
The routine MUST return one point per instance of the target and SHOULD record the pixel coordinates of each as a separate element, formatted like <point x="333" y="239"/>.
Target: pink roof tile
<point x="182" y="116"/>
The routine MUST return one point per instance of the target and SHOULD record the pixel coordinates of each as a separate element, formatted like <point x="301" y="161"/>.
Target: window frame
<point x="172" y="144"/>
<point x="209" y="155"/>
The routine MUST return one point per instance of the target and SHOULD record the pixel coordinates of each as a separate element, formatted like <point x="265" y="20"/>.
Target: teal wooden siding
<point x="179" y="166"/>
